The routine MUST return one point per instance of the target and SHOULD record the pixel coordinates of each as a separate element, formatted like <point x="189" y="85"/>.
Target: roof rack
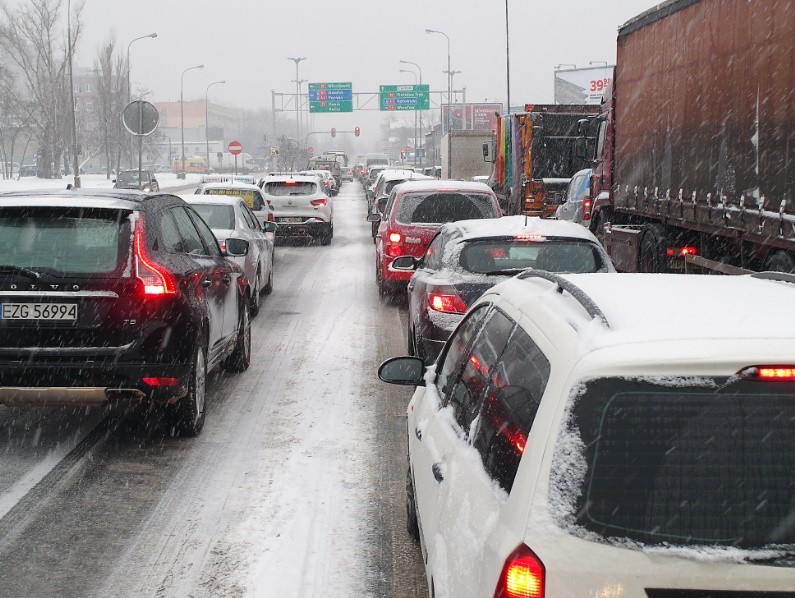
<point x="573" y="290"/>
<point x="779" y="276"/>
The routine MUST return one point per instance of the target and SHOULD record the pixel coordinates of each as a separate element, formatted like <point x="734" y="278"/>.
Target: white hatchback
<point x="623" y="435"/>
<point x="301" y="207"/>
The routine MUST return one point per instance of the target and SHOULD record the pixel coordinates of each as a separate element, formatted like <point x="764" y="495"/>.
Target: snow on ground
<point x="167" y="180"/>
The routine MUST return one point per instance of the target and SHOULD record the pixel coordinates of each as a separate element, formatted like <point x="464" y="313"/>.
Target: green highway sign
<point x="331" y="97"/>
<point x="405" y="97"/>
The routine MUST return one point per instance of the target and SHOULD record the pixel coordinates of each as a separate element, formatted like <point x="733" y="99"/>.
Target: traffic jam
<point x="515" y="350"/>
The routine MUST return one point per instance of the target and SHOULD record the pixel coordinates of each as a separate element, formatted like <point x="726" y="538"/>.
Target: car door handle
<point x="436" y="468"/>
<point x="418" y="433"/>
<point x="207" y="283"/>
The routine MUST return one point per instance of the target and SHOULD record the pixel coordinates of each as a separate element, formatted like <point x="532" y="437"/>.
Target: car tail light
<point x="318" y="202"/>
<point x="156" y="279"/>
<point x="681" y="251"/>
<point x="270" y="217"/>
<point x="222" y="244"/>
<point x="160" y="381"/>
<point x="530" y="237"/>
<point x="394" y="237"/>
<point x="769" y="373"/>
<point x="523" y="576"/>
<point x="289" y="183"/>
<point x="586" y="208"/>
<point x="446" y="300"/>
<point x="394" y="245"/>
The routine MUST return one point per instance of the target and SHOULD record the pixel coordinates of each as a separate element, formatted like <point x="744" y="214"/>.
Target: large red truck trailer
<point x="694" y="165"/>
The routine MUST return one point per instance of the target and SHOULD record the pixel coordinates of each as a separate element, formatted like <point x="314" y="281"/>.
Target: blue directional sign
<point x="330" y="97"/>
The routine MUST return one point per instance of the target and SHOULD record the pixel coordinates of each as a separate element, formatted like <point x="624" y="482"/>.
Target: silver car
<point x="577" y="204"/>
<point x="229" y="217"/>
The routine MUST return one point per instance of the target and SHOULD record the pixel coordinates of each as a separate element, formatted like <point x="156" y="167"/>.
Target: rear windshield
<point x="684" y="462"/>
<point x="251" y="196"/>
<point x="58" y="240"/>
<point x="131" y="176"/>
<point x="482" y="257"/>
<point x="287" y="188"/>
<point x="216" y="216"/>
<point x="441" y="207"/>
<point x="392" y="184"/>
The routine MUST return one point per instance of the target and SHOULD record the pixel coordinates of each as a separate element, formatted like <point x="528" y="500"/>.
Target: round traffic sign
<point x="235" y="148"/>
<point x="310" y="149"/>
<point x="140" y="117"/>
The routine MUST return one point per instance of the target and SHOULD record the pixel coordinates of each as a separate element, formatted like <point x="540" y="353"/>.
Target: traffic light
<point x="333" y="131"/>
<point x="356" y="131"/>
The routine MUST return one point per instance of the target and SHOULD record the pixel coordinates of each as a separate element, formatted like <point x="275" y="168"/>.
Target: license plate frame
<point x="18" y="311"/>
<point x="292" y="220"/>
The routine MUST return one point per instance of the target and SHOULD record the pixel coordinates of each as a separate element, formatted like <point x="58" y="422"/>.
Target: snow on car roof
<point x="300" y="178"/>
<point x="213" y="199"/>
<point x="519" y="225"/>
<point x="642" y="308"/>
<point x="228" y="185"/>
<point x="434" y="184"/>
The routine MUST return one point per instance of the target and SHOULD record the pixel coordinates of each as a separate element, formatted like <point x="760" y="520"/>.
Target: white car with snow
<point x="621" y="435"/>
<point x="301" y="206"/>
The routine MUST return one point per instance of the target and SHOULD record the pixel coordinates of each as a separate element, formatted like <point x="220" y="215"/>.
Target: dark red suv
<point x="412" y="217"/>
<point x="116" y="296"/>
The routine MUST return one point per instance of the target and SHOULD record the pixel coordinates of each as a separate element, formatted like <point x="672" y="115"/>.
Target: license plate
<point x="292" y="220"/>
<point x="39" y="311"/>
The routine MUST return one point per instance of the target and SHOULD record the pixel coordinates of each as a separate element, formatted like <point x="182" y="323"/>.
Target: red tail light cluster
<point x="523" y="576"/>
<point x="322" y="201"/>
<point x="587" y="204"/>
<point x="161" y="381"/>
<point x="769" y="373"/>
<point x="681" y="251"/>
<point x="154" y="277"/>
<point x="446" y="300"/>
<point x="394" y="245"/>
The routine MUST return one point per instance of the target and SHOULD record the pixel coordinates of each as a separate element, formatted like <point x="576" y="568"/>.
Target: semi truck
<point x="694" y="165"/>
<point x="535" y="156"/>
<point x="461" y="154"/>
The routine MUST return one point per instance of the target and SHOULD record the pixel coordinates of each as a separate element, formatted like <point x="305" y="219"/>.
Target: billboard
<point x="479" y="117"/>
<point x="582" y="86"/>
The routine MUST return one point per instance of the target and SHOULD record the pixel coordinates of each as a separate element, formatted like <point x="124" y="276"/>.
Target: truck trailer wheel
<point x="780" y="261"/>
<point x="653" y="245"/>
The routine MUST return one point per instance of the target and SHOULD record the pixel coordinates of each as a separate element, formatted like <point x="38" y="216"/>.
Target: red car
<point x="413" y="215"/>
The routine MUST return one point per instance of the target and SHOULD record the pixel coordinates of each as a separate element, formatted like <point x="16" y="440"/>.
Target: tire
<point x="780" y="261"/>
<point x="653" y="244"/>
<point x="410" y="341"/>
<point x="268" y="288"/>
<point x="254" y="298"/>
<point x="327" y="235"/>
<point x="186" y="417"/>
<point x="240" y="358"/>
<point x="412" y="524"/>
<point x="597" y="226"/>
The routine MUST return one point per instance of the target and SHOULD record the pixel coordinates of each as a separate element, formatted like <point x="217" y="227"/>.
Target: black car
<point x="129" y="179"/>
<point x="116" y="296"/>
<point x="468" y="257"/>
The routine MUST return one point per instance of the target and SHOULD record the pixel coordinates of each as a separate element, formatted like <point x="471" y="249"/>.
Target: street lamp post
<point x="181" y="174"/>
<point x="507" y="59"/>
<point x="415" y="112"/>
<point x="129" y="85"/>
<point x="207" y="118"/>
<point x="75" y="159"/>
<point x="449" y="76"/>
<point x="298" y="82"/>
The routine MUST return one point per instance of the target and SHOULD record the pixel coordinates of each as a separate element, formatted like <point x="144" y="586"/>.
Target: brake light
<point x="289" y="183"/>
<point x="446" y="300"/>
<point x="394" y="237"/>
<point x="156" y="279"/>
<point x="681" y="251"/>
<point x="769" y="373"/>
<point x="522" y="576"/>
<point x="161" y="381"/>
<point x="530" y="237"/>
<point x="586" y="208"/>
<point x="318" y="202"/>
<point x="270" y="217"/>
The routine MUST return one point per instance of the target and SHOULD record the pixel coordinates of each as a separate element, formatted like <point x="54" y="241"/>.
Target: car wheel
<point x="268" y="289"/>
<point x="240" y="358"/>
<point x="186" y="417"/>
<point x="412" y="524"/>
<point x="327" y="234"/>
<point x="652" y="256"/>
<point x="597" y="226"/>
<point x="255" y="296"/>
<point x="419" y="349"/>
<point x="410" y="341"/>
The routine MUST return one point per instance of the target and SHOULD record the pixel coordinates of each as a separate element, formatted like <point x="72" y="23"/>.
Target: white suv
<point x="623" y="435"/>
<point x="301" y="207"/>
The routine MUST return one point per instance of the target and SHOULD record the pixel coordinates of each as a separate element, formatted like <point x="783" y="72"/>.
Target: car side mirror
<point x="236" y="247"/>
<point x="269" y="227"/>
<point x="373" y="217"/>
<point x="580" y="147"/>
<point x="407" y="371"/>
<point x="405" y="262"/>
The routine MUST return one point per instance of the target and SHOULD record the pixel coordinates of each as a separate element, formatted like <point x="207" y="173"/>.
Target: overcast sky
<point x="247" y="42"/>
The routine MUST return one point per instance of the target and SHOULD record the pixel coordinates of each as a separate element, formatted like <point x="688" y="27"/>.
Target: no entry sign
<point x="235" y="148"/>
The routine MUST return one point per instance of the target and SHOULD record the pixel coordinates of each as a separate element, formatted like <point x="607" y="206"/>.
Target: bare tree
<point x="112" y="95"/>
<point x="33" y="46"/>
<point x="14" y="126"/>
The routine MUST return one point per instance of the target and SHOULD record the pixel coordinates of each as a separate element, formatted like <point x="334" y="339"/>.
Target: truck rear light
<point x="160" y="381"/>
<point x="155" y="278"/>
<point x="681" y="251"/>
<point x="446" y="300"/>
<point x="769" y="373"/>
<point x="523" y="576"/>
<point x="586" y="208"/>
<point x="318" y="202"/>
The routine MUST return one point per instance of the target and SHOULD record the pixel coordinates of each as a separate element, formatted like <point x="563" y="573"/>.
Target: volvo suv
<point x="116" y="296"/>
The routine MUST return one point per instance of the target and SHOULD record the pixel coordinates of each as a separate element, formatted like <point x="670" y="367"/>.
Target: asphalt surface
<point x="295" y="487"/>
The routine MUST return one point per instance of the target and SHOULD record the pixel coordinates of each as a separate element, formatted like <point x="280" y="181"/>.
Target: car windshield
<point x="438" y="207"/>
<point x="552" y="255"/>
<point x="216" y="215"/>
<point x="679" y="461"/>
<point x="288" y="188"/>
<point x="61" y="240"/>
<point x="131" y="176"/>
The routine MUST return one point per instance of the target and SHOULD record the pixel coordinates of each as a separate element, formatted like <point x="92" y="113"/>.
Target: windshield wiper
<point x="506" y="272"/>
<point x="8" y="269"/>
<point x="783" y="558"/>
